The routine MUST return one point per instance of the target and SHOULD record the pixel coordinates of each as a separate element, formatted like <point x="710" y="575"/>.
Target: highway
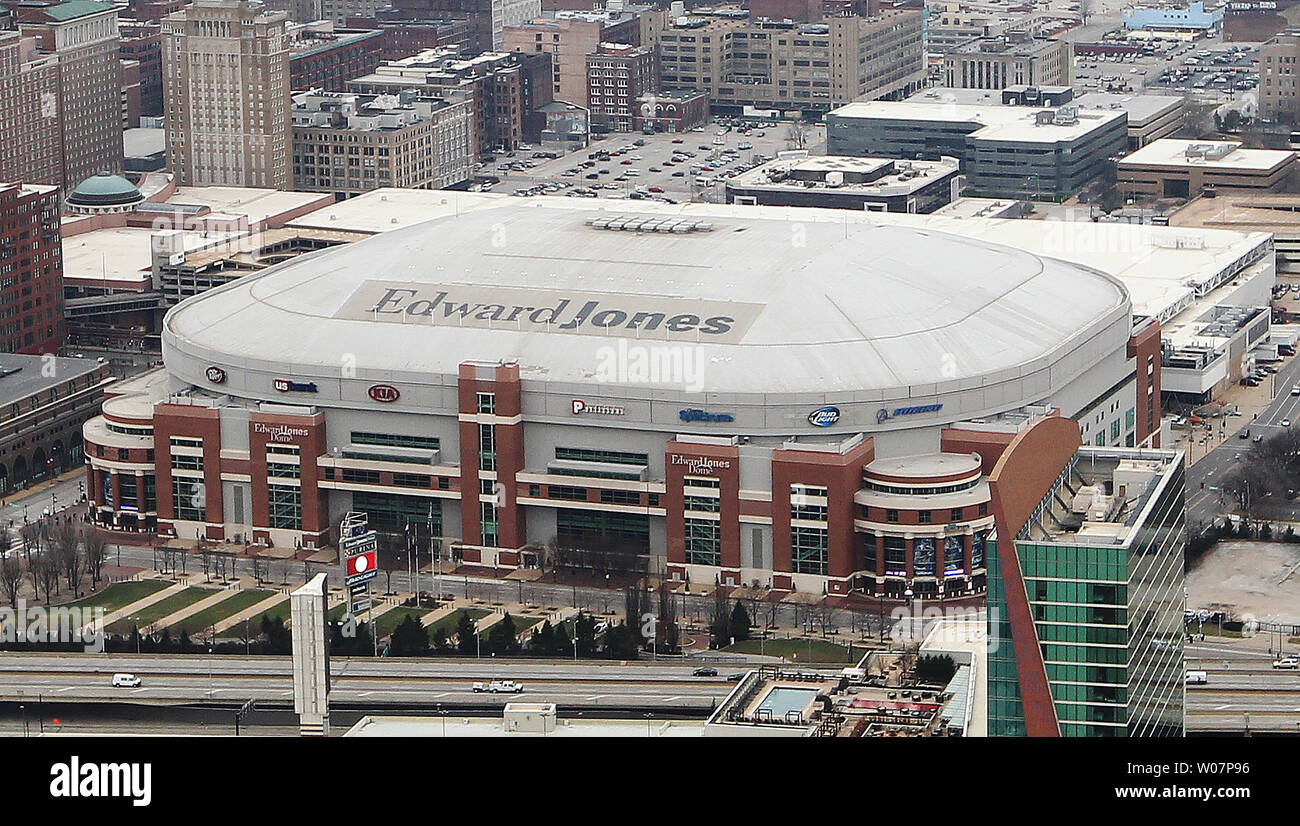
<point x="1241" y="682"/>
<point x="358" y="684"/>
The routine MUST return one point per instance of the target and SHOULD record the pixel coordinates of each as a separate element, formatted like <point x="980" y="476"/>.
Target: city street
<point x="1208" y="468"/>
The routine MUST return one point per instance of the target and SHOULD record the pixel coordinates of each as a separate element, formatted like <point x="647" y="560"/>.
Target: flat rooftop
<point x="991" y="122"/>
<point x="262" y="206"/>
<point x="1220" y="156"/>
<point x="21" y="376"/>
<point x="123" y="256"/>
<point x="1139" y="108"/>
<point x="1253" y="213"/>
<point x="887" y="176"/>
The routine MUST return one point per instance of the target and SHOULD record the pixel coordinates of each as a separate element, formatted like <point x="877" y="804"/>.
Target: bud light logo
<point x="824" y="416"/>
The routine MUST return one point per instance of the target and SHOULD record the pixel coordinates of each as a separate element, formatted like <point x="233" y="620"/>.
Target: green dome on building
<point x="104" y="191"/>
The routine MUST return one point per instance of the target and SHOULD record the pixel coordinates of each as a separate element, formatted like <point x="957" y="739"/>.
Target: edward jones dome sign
<point x="558" y="311"/>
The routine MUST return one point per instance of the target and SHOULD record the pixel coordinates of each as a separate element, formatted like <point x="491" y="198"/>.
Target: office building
<point x="1085" y="594"/>
<point x="142" y="43"/>
<point x="568" y="37"/>
<point x="62" y="70"/>
<point x="506" y="90"/>
<point x="786" y="65"/>
<point x="999" y="62"/>
<point x="31" y="269"/>
<point x="322" y="56"/>
<point x="348" y="144"/>
<point x="1178" y="168"/>
<point x="1279" y="71"/>
<point x="1016" y="151"/>
<point x="617" y="76"/>
<point x="226" y="95"/>
<point x="836" y="182"/>
<point x="30" y="115"/>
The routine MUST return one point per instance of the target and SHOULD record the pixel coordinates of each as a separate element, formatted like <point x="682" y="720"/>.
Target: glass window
<point x="703" y="542"/>
<point x="285" y="506"/>
<point x="808" y="550"/>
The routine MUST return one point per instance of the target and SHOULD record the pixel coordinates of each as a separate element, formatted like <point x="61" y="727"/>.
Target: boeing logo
<point x="884" y="414"/>
<point x="824" y="416"/>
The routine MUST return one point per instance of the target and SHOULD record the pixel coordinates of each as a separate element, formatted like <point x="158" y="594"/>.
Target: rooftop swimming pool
<point x="780" y="700"/>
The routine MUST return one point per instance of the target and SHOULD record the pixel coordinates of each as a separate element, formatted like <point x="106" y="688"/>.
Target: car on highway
<point x="735" y="678"/>
<point x="1290" y="663"/>
<point x="1196" y="678"/>
<point x="499" y="687"/>
<point x="705" y="671"/>
<point x="126" y="681"/>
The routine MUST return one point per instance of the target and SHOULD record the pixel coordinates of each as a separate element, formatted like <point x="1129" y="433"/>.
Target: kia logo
<point x="384" y="393"/>
<point x="824" y="416"/>
<point x="215" y="375"/>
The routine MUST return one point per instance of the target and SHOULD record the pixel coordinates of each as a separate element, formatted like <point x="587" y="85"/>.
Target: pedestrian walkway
<point x="141" y="604"/>
<point x="193" y="608"/>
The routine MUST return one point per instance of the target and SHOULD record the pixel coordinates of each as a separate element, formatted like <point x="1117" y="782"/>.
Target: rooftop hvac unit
<point x="835" y="179"/>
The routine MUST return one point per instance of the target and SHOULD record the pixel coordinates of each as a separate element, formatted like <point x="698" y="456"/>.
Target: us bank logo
<point x="884" y="414"/>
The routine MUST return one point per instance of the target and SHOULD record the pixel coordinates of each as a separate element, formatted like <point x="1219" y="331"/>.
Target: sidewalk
<point x="193" y="608"/>
<point x="126" y="610"/>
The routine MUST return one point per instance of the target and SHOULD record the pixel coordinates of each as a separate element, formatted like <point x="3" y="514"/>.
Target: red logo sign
<point x="384" y="393"/>
<point x="360" y="564"/>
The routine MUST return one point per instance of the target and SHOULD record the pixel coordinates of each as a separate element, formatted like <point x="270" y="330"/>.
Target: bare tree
<point x="11" y="577"/>
<point x="259" y="568"/>
<point x="67" y="549"/>
<point x="43" y="568"/>
<point x="797" y="135"/>
<point x="96" y="545"/>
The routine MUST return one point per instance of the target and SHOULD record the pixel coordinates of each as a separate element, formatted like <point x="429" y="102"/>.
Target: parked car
<point x="1285" y="422"/>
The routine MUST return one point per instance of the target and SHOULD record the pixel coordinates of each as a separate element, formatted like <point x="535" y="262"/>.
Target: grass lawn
<point x="818" y="651"/>
<point x="523" y="624"/>
<point x="448" y="623"/>
<point x="160" y="609"/>
<point x="119" y="595"/>
<point x="231" y="605"/>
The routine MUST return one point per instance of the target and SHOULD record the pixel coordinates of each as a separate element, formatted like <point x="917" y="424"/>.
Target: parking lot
<point x="1209" y="69"/>
<point x="690" y="166"/>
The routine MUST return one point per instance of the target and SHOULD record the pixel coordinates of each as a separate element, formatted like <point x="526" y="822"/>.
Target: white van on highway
<point x="1197" y="678"/>
<point x="126" y="681"/>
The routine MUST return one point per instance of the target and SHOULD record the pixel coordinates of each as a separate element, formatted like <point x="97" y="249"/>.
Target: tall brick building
<point x="31" y="269"/>
<point x="226" y="95"/>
